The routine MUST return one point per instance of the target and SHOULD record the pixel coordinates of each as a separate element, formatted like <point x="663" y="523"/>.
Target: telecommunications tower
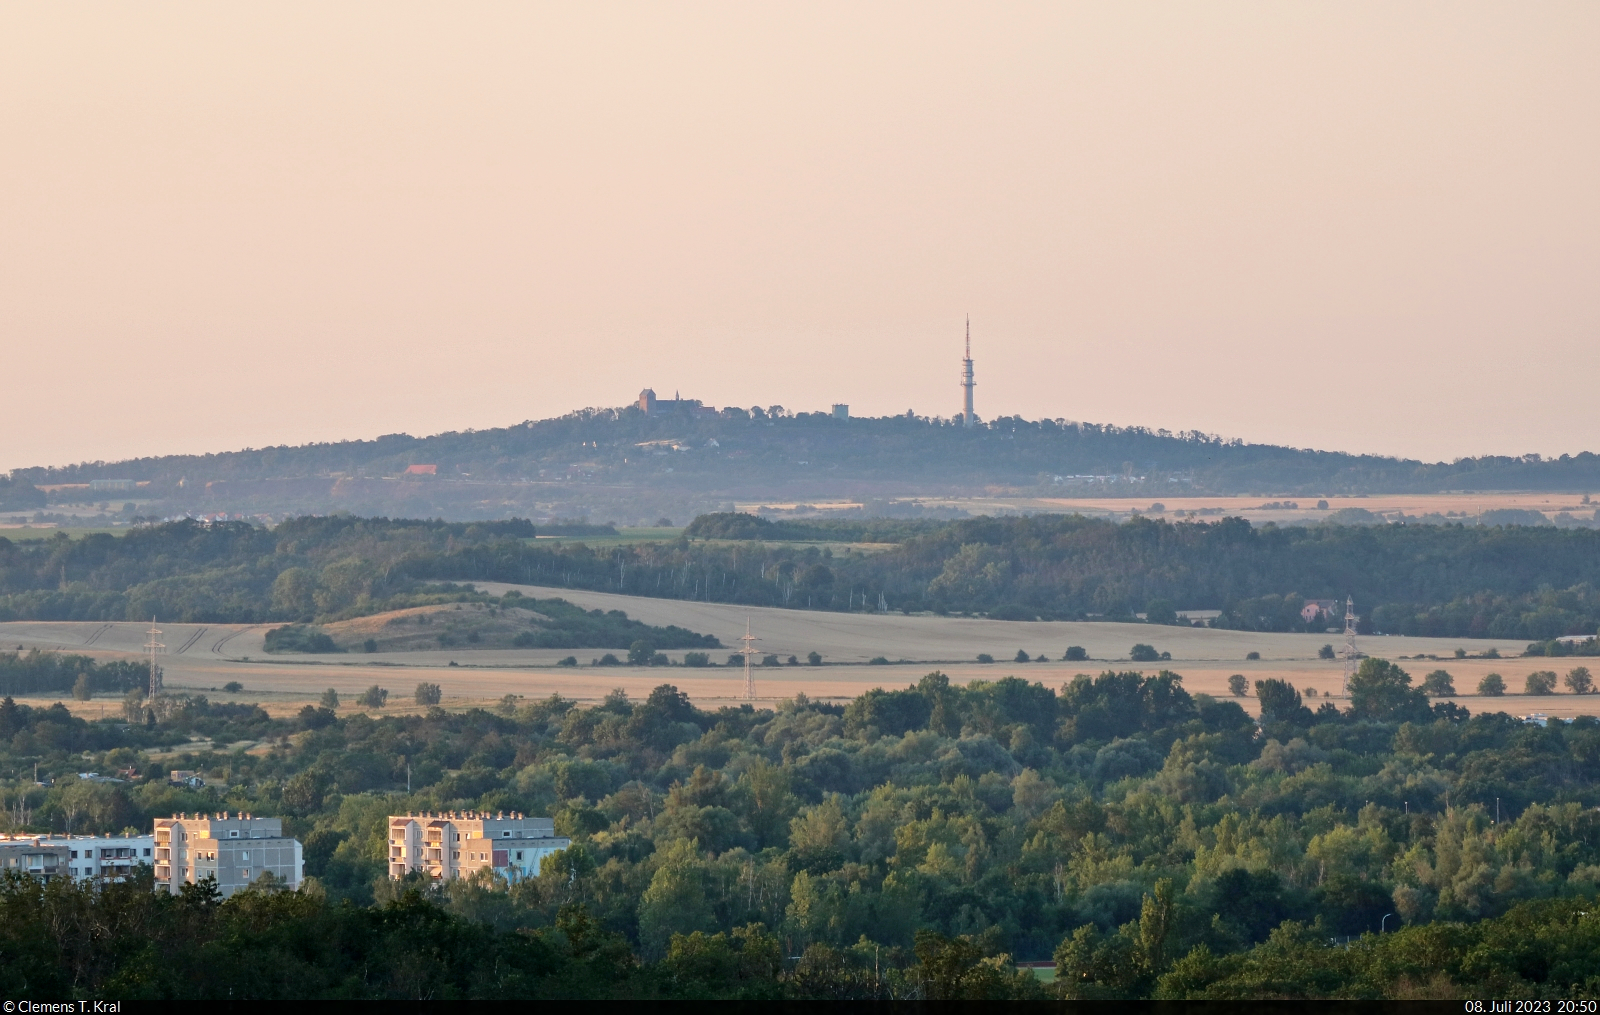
<point x="154" y="646"/>
<point x="748" y="651"/>
<point x="1349" y="644"/>
<point x="968" y="418"/>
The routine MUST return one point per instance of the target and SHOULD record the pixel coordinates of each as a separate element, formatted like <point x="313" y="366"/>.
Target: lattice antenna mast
<point x="748" y="651"/>
<point x="154" y="646"/>
<point x="968" y="418"/>
<point x="1349" y="643"/>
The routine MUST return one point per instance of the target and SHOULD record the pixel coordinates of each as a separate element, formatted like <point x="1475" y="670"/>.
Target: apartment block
<point x="106" y="857"/>
<point x="454" y="844"/>
<point x="234" y="849"/>
<point x="35" y="855"/>
<point x="82" y="857"/>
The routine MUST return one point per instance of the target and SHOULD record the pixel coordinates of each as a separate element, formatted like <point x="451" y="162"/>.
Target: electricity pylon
<point x="155" y="671"/>
<point x="1349" y="644"/>
<point x="748" y="651"/>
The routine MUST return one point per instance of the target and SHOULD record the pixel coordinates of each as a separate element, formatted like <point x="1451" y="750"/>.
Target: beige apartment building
<point x="234" y="849"/>
<point x="453" y="844"/>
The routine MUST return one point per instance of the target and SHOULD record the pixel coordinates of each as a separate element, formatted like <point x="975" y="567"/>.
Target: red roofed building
<point x="422" y="470"/>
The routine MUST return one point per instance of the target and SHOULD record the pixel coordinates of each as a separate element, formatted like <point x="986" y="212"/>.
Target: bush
<point x="1439" y="683"/>
<point x="1252" y="656"/>
<point x="1540" y="682"/>
<point x="1022" y="657"/>
<point x="233" y="687"/>
<point x="299" y="638"/>
<point x="1075" y="654"/>
<point x="878" y="661"/>
<point x="370" y="645"/>
<point x="984" y="657"/>
<point x="1326" y="652"/>
<point x="1278" y="698"/>
<point x="814" y="658"/>
<point x="1579" y="681"/>
<point x="330" y="699"/>
<point x="609" y="659"/>
<point x="1143" y="653"/>
<point x="696" y="659"/>
<point x="640" y="653"/>
<point x="374" y="697"/>
<point x="428" y="694"/>
<point x="1237" y="685"/>
<point x="1492" y="685"/>
<point x="1160" y="611"/>
<point x="568" y="661"/>
<point x="735" y="658"/>
<point x="769" y="660"/>
<point x="80" y="688"/>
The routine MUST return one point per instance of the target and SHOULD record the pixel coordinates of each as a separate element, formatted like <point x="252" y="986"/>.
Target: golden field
<point x="202" y="658"/>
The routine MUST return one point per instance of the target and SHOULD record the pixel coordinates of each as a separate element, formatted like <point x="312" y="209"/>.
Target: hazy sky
<point x="1368" y="227"/>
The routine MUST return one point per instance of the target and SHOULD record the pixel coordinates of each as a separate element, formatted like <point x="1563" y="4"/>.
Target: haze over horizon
<point x="1349" y="227"/>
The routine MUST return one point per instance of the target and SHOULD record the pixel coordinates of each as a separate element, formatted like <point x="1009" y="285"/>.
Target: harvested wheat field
<point x="203" y="658"/>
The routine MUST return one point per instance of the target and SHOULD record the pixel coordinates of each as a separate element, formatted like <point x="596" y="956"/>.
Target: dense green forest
<point x="911" y="843"/>
<point x="1521" y="582"/>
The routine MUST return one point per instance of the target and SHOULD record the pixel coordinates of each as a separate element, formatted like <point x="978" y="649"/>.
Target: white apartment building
<point x="105" y="857"/>
<point x="234" y="849"/>
<point x="453" y="844"/>
<point x="81" y="857"/>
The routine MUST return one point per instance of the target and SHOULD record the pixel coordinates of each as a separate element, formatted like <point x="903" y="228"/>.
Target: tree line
<point x="1528" y="583"/>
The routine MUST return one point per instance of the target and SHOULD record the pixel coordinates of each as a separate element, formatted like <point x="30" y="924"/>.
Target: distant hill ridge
<point x="735" y="449"/>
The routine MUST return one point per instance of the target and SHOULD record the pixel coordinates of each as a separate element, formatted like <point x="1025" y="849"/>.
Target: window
<point x="147" y="851"/>
<point x="74" y="856"/>
<point x="233" y="834"/>
<point x="519" y="854"/>
<point x="245" y="858"/>
<point x="245" y="874"/>
<point x="506" y="834"/>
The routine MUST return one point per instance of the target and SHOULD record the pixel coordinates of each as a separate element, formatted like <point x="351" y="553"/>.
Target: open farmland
<point x="1260" y="509"/>
<point x="203" y="658"/>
